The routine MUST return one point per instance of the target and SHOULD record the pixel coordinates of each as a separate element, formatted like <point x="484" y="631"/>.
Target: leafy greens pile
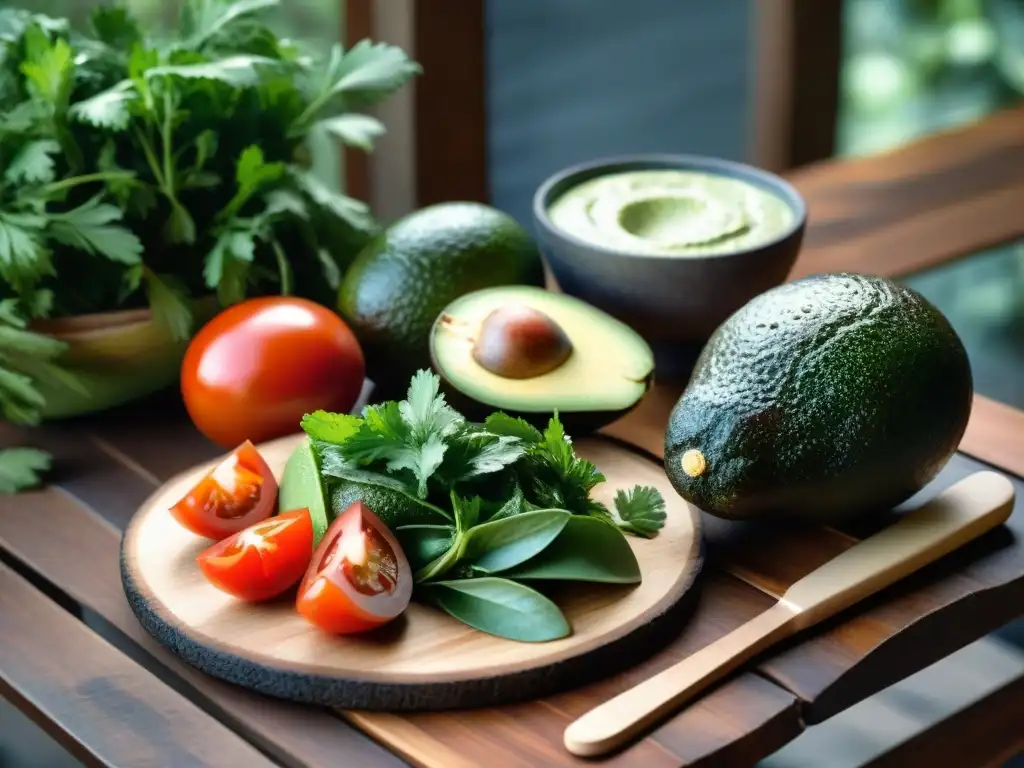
<point x="482" y="508"/>
<point x="141" y="171"/>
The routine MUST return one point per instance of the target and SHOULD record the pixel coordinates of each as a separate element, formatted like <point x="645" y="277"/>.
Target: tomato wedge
<point x="263" y="560"/>
<point x="238" y="492"/>
<point x="359" y="577"/>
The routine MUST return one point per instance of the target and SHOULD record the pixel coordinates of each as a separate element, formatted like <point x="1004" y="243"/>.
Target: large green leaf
<point x="233" y="70"/>
<point x="587" y="549"/>
<point x="89" y="227"/>
<point x="499" y="607"/>
<point x="505" y="543"/>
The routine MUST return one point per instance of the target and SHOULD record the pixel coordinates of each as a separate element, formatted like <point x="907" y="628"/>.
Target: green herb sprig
<point x="145" y="169"/>
<point x="486" y="512"/>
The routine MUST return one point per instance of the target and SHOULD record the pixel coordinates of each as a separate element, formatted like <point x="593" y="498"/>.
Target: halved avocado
<point x="529" y="352"/>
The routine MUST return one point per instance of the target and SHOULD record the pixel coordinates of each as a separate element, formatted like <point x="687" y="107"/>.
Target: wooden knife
<point x="959" y="514"/>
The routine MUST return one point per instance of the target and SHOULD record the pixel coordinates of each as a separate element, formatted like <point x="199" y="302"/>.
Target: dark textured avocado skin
<point x="401" y="281"/>
<point x="824" y="398"/>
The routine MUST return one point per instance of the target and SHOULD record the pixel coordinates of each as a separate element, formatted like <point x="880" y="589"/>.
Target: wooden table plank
<point x="736" y="724"/>
<point x="916" y="622"/>
<point x="78" y="553"/>
<point x="104" y="708"/>
<point x="995" y="434"/>
<point x="757" y="707"/>
<point x="921" y="205"/>
<point x="898" y="632"/>
<point x="934" y="200"/>
<point x="985" y="735"/>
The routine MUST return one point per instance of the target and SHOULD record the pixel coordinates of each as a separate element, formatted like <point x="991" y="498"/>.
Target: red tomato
<point x="359" y="577"/>
<point x="238" y="492"/>
<point x="258" y="366"/>
<point x="263" y="560"/>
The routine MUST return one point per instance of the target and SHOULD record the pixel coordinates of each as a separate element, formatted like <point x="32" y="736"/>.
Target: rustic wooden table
<point x="120" y="699"/>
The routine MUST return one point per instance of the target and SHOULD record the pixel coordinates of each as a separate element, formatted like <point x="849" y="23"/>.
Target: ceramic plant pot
<point x="112" y="358"/>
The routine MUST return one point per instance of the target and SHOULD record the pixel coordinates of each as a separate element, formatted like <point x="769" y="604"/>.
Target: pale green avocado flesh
<point x="609" y="369"/>
<point x="301" y="487"/>
<point x="671" y="212"/>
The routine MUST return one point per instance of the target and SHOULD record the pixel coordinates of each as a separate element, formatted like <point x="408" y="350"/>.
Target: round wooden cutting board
<point x="425" y="659"/>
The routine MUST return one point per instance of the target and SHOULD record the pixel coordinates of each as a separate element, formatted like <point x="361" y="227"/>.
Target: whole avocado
<point x="401" y="280"/>
<point x="821" y="399"/>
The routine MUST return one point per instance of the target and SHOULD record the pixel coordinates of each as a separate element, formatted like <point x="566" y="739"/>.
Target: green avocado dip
<point x="671" y="213"/>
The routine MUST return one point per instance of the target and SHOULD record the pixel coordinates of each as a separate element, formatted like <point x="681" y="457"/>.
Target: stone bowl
<point x="674" y="302"/>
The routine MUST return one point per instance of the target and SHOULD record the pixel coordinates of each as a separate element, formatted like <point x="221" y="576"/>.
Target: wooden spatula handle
<point x="957" y="515"/>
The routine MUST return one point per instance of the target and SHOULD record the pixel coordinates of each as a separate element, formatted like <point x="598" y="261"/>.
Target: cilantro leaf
<point x="202" y="20"/>
<point x="33" y="164"/>
<point x="252" y="174"/>
<point x="502" y="424"/>
<point x="368" y="71"/>
<point x="331" y="271"/>
<point x="115" y="27"/>
<point x="333" y="463"/>
<point x="49" y="67"/>
<point x="473" y="452"/>
<point x="554" y="476"/>
<point x="169" y="303"/>
<point x="24" y="117"/>
<point x="25" y="360"/>
<point x="334" y="428"/>
<point x="354" y="212"/>
<point x="20" y="468"/>
<point x="641" y="510"/>
<point x="383" y="433"/>
<point x="238" y="71"/>
<point x="496" y="453"/>
<point x="226" y="267"/>
<point x="515" y="505"/>
<point x="15" y="340"/>
<point x="19" y="398"/>
<point x="467" y="511"/>
<point x="87" y="228"/>
<point x="425" y="411"/>
<point x="24" y="260"/>
<point x="354" y="130"/>
<point x="108" y="109"/>
<point x="411" y="436"/>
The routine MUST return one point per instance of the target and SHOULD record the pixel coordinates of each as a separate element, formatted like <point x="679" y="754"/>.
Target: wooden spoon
<point x="960" y="513"/>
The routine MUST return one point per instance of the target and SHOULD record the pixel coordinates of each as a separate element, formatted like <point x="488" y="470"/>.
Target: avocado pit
<point x="519" y="342"/>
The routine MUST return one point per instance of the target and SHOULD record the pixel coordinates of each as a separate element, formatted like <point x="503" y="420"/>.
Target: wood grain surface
<point x="76" y="552"/>
<point x="937" y="199"/>
<point x="102" y="706"/>
<point x="885" y="640"/>
<point x="736" y="724"/>
<point x="916" y="207"/>
<point x="972" y="507"/>
<point x="426" y="659"/>
<point x="983" y="735"/>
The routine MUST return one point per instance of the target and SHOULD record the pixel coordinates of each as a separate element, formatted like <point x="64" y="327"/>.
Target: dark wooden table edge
<point x="970" y="736"/>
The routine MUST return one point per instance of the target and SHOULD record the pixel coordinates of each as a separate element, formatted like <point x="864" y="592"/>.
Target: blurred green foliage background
<point x="318" y="23"/>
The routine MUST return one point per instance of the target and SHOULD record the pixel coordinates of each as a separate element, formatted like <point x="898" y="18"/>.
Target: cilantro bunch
<point x="149" y="170"/>
<point x="482" y="508"/>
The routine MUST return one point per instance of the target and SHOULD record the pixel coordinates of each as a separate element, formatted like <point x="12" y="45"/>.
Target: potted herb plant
<point x="147" y="181"/>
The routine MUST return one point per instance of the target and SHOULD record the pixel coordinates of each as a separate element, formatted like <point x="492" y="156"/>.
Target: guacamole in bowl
<point x="670" y="244"/>
<point x="671" y="213"/>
